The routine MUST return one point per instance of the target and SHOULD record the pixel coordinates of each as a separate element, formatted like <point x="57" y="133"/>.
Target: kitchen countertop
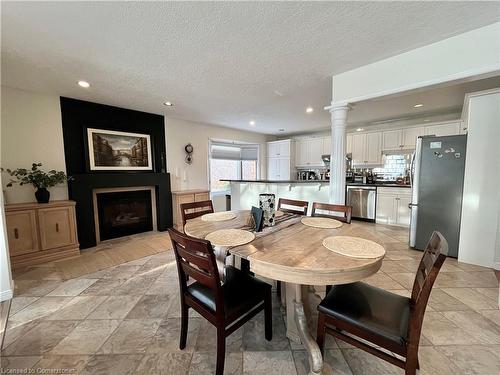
<point x="282" y="181"/>
<point x="378" y="184"/>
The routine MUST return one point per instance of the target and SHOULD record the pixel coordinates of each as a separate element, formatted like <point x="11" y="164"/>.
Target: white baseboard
<point x="6" y="295"/>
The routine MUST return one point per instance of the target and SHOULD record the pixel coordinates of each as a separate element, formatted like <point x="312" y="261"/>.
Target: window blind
<point x="229" y="151"/>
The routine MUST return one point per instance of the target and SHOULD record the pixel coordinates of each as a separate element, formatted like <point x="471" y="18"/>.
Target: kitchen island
<point x="245" y="193"/>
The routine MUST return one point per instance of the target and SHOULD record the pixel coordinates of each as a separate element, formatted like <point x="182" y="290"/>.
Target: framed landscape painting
<point x="114" y="151"/>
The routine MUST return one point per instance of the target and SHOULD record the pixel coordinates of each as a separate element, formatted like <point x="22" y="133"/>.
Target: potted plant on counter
<point x="39" y="179"/>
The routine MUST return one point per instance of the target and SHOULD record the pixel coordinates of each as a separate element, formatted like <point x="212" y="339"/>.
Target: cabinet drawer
<point x="21" y="232"/>
<point x="56" y="227"/>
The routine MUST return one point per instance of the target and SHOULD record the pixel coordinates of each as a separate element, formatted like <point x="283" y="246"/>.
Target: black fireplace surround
<point x="77" y="116"/>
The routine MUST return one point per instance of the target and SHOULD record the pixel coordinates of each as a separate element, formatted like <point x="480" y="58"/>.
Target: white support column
<point x="337" y="158"/>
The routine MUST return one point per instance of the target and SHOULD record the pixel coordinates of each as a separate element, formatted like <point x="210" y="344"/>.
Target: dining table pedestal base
<point x="297" y="328"/>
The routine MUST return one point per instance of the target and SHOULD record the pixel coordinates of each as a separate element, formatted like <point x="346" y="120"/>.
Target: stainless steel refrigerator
<point x="437" y="188"/>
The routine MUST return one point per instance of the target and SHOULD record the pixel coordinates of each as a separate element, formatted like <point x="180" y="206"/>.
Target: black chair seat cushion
<point x="242" y="292"/>
<point x="369" y="308"/>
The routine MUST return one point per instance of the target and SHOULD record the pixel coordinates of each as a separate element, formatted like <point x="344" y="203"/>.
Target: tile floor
<point x="125" y="320"/>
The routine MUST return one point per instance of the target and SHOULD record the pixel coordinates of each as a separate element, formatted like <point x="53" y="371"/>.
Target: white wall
<point x="31" y="129"/>
<point x="470" y="54"/>
<point x="179" y="133"/>
<point x="5" y="274"/>
<point x="480" y="229"/>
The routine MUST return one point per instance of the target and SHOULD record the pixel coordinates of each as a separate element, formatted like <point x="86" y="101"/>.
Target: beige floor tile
<point x="36" y="288"/>
<point x="124" y="271"/>
<point x="19" y="303"/>
<point x="433" y="362"/>
<point x="87" y="337"/>
<point x="442" y="301"/>
<point x="166" y="363"/>
<point x="442" y="331"/>
<point x="471" y="298"/>
<point x="207" y="339"/>
<point x="112" y="365"/>
<point x="41" y="339"/>
<point x="404" y="279"/>
<point x="485" y="331"/>
<point x="474" y="360"/>
<point x="204" y="364"/>
<point x="72" y="287"/>
<point x="334" y="363"/>
<point x="132" y="336"/>
<point x="363" y="363"/>
<point x="166" y="338"/>
<point x="264" y="363"/>
<point x="103" y="287"/>
<point x="114" y="307"/>
<point x="381" y="280"/>
<point x="151" y="307"/>
<point x="41" y="308"/>
<point x="17" y="363"/>
<point x="137" y="285"/>
<point x="77" y="308"/>
<point x="493" y="315"/>
<point x="491" y="293"/>
<point x="71" y="363"/>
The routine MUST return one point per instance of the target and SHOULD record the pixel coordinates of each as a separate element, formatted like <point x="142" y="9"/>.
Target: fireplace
<point x="124" y="211"/>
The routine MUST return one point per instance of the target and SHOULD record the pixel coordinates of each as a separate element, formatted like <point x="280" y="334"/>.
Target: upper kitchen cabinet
<point x="452" y="128"/>
<point x="348" y="146"/>
<point x="327" y="145"/>
<point x="308" y="152"/>
<point x="391" y="140"/>
<point x="279" y="149"/>
<point x="366" y="148"/>
<point x="409" y="137"/>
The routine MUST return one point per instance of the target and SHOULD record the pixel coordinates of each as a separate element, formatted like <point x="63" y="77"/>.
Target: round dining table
<point x="293" y="253"/>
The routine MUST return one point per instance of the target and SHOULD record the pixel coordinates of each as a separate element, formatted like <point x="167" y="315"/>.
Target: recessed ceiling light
<point x="359" y="129"/>
<point x="281" y="130"/>
<point x="84" y="84"/>
<point x="252" y="123"/>
<point x="309" y="109"/>
<point x="168" y="104"/>
<point x="418" y="105"/>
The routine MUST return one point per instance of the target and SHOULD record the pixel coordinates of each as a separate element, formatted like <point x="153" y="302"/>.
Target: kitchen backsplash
<point x="395" y="165"/>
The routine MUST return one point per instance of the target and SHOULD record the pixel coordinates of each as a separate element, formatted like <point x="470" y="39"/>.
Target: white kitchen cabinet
<point x="391" y="140"/>
<point x="327" y="145"/>
<point x="278" y="169"/>
<point x="349" y="144"/>
<point x="373" y="149"/>
<point x="308" y="152"/>
<point x="358" y="148"/>
<point x="409" y="137"/>
<point x="366" y="148"/>
<point x="444" y="129"/>
<point x="392" y="206"/>
<point x="279" y="149"/>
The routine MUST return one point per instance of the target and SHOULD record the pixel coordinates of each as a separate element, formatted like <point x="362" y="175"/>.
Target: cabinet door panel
<point x="272" y="150"/>
<point x="327" y="145"/>
<point x="386" y="209"/>
<point x="443" y="130"/>
<point x="21" y="232"/>
<point x="403" y="214"/>
<point x="56" y="227"/>
<point x="348" y="144"/>
<point x="272" y="169"/>
<point x="301" y="153"/>
<point x="200" y="197"/>
<point x="315" y="151"/>
<point x="358" y="148"/>
<point x="373" y="153"/>
<point x="391" y="140"/>
<point x="410" y="136"/>
<point x="284" y="149"/>
<point x="284" y="168"/>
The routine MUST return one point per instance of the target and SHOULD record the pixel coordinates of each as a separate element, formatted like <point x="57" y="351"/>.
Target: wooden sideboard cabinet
<point x="39" y="233"/>
<point x="186" y="196"/>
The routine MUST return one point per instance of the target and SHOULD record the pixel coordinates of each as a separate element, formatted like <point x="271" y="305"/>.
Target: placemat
<point x="219" y="216"/>
<point x="321" y="222"/>
<point x="354" y="247"/>
<point x="230" y="237"/>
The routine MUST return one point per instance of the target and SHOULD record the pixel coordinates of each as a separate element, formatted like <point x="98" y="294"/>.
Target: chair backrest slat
<point x="428" y="269"/>
<point x="195" y="258"/>
<point x="331" y="209"/>
<point x="195" y="209"/>
<point x="301" y="205"/>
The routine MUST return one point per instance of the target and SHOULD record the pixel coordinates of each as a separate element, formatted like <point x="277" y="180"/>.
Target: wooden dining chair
<point x="293" y="206"/>
<point x="331" y="210"/>
<point x="195" y="209"/>
<point x="227" y="306"/>
<point x="392" y="322"/>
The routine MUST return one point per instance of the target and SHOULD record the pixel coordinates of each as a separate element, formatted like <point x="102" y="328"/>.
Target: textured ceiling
<point x="224" y="63"/>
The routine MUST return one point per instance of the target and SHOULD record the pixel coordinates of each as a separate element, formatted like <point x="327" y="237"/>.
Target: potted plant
<point x="39" y="179"/>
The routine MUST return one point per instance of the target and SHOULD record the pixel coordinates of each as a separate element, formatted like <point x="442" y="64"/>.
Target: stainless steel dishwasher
<point x="363" y="200"/>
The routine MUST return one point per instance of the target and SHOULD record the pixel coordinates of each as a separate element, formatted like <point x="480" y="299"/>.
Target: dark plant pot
<point x="42" y="195"/>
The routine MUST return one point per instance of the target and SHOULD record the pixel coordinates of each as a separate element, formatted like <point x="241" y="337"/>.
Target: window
<point x="232" y="161"/>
